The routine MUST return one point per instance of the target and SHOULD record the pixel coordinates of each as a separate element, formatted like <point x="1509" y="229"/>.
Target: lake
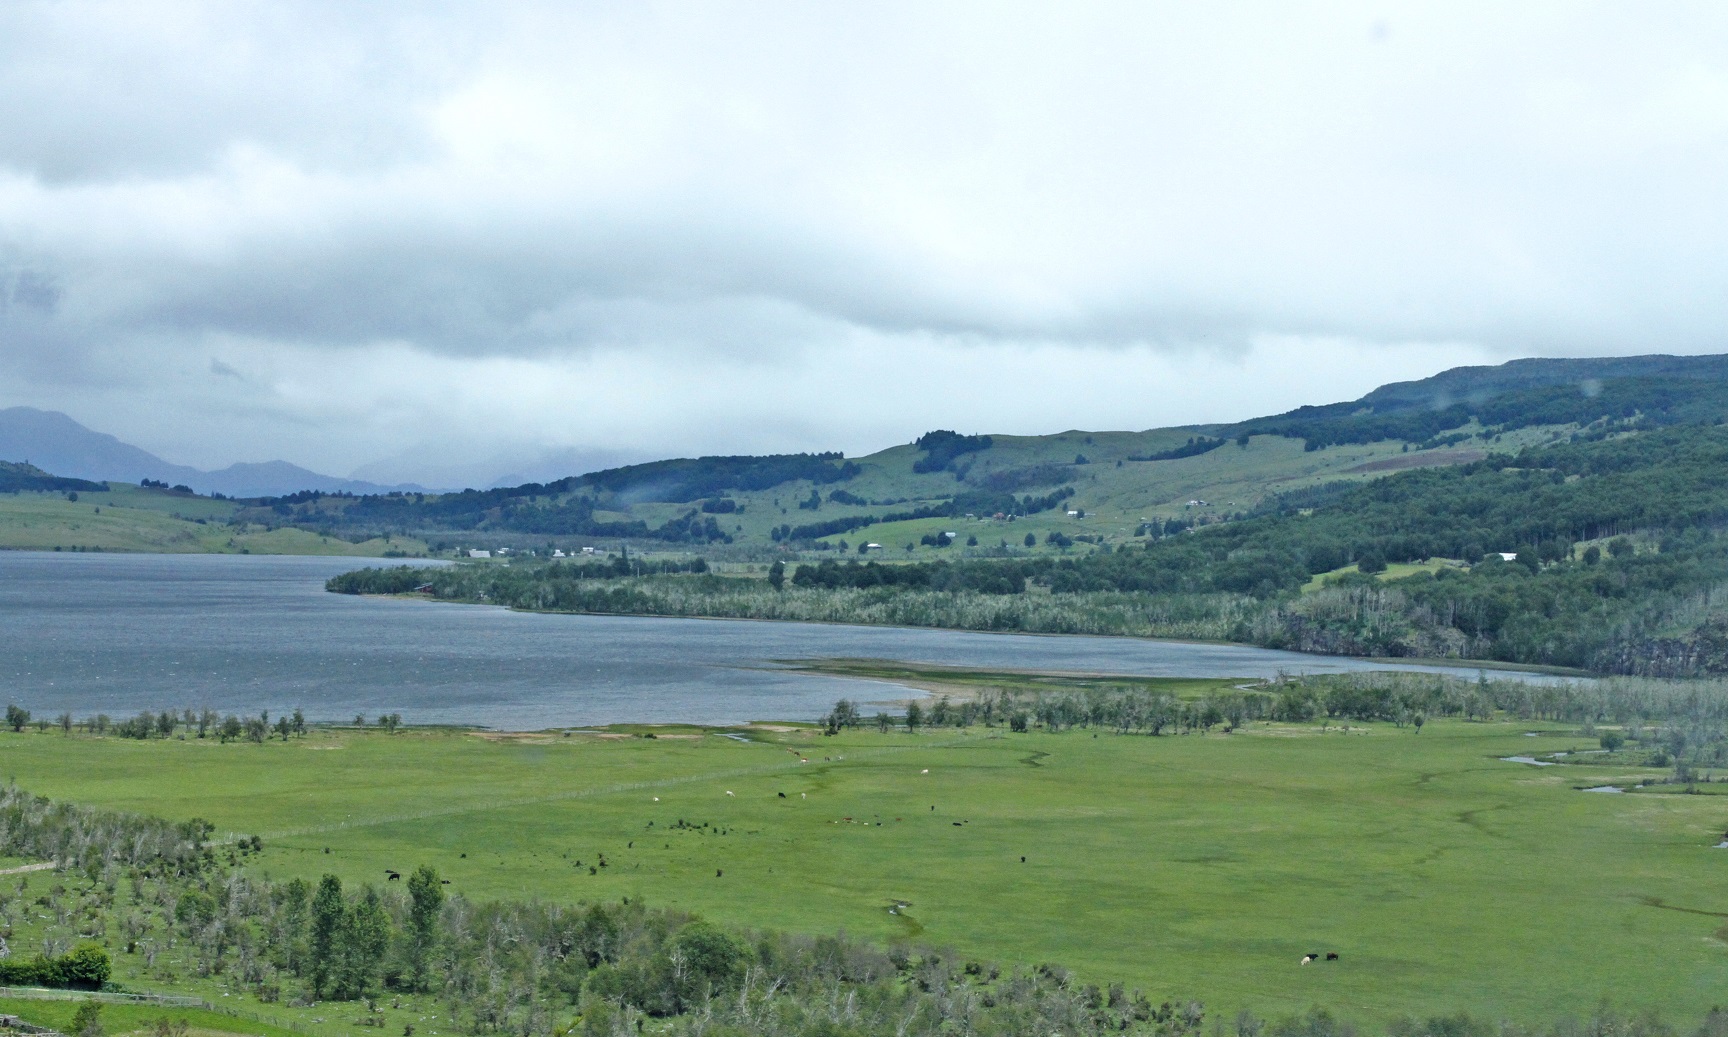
<point x="115" y="634"/>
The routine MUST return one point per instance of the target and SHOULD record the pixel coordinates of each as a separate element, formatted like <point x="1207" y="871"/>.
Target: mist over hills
<point x="56" y="443"/>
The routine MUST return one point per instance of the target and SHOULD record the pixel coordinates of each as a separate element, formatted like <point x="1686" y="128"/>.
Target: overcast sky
<point x="412" y="241"/>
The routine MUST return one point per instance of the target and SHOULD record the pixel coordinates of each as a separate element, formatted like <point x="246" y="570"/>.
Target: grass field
<point x="1196" y="866"/>
<point x="123" y="1018"/>
<point x="128" y="518"/>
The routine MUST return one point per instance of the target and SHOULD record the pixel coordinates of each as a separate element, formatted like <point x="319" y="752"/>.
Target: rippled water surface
<point x="119" y="633"/>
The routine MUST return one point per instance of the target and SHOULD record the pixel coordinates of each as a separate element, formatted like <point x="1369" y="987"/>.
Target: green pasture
<point x="56" y="1014"/>
<point x="1394" y="571"/>
<point x="1116" y="499"/>
<point x="1202" y="866"/>
<point x="127" y="518"/>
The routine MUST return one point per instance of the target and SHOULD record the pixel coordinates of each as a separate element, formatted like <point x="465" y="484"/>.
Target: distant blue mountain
<point x="55" y="443"/>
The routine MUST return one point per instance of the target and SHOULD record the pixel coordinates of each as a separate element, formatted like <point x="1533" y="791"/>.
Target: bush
<point x="87" y="967"/>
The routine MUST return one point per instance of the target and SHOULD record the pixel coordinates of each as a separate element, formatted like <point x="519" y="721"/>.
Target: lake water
<point x="112" y="633"/>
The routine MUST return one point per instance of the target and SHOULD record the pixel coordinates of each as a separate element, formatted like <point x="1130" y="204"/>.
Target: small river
<point x="115" y="634"/>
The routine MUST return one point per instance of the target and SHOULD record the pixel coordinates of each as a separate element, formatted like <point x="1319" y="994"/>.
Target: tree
<point x="1031" y="540"/>
<point x="914" y="716"/>
<point x="327" y="912"/>
<point x="87" y="1021"/>
<point x="65" y="722"/>
<point x="426" y="898"/>
<point x="777" y="575"/>
<point x="362" y="939"/>
<point x="1611" y="740"/>
<point x="1592" y="555"/>
<point x="1620" y="547"/>
<point x="1371" y="561"/>
<point x="706" y="958"/>
<point x="231" y="729"/>
<point x="17" y="717"/>
<point x="883" y="722"/>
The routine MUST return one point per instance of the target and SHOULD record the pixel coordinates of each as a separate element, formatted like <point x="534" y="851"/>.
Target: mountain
<point x="56" y="443"/>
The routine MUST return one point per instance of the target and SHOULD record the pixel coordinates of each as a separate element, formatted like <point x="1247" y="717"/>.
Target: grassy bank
<point x="1200" y="865"/>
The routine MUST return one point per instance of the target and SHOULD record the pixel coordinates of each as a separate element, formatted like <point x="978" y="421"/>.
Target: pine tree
<point x="327" y="912"/>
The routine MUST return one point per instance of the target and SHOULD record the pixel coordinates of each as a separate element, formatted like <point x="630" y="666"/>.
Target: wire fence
<point x="115" y="997"/>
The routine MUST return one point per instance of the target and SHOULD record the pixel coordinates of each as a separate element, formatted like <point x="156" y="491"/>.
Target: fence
<point x="115" y="997"/>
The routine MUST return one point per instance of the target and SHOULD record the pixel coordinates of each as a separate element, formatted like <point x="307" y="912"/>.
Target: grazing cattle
<point x="925" y="771"/>
<point x="1331" y="955"/>
<point x="728" y="792"/>
<point x="394" y="875"/>
<point x="1306" y="958"/>
<point x="717" y="872"/>
<point x="782" y="795"/>
<point x="1022" y="860"/>
<point x="444" y="882"/>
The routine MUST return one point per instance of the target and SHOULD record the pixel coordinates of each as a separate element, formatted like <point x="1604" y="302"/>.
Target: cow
<point x="782" y="795"/>
<point x="1331" y="955"/>
<point x="718" y="873"/>
<point x="394" y="876"/>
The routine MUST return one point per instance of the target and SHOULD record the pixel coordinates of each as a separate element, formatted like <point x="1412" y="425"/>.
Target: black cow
<point x="1331" y="955"/>
<point x="394" y="875"/>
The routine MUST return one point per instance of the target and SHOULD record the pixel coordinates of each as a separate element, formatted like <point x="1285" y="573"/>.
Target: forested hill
<point x="1647" y="391"/>
<point x="18" y="477"/>
<point x="1616" y="564"/>
<point x="1102" y="487"/>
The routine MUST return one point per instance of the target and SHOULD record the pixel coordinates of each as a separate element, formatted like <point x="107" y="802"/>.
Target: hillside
<point x="1607" y="492"/>
<point x="1069" y="492"/>
<point x="47" y="513"/>
<point x="992" y="491"/>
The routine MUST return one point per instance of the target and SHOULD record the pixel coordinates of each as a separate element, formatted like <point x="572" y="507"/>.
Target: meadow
<point x="130" y="518"/>
<point x="1194" y="866"/>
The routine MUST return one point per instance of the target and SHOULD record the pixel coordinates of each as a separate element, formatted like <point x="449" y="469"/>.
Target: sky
<point x="443" y="243"/>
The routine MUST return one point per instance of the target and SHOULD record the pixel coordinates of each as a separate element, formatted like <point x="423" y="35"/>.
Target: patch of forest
<point x="16" y="477"/>
<point x="1421" y="412"/>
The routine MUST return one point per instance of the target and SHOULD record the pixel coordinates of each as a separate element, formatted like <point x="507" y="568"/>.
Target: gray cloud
<point x="377" y="213"/>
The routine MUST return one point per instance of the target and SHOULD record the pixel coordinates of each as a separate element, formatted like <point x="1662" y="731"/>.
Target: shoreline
<point x="1415" y="664"/>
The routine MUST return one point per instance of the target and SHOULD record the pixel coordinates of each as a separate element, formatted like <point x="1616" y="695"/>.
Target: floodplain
<point x="1203" y="865"/>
